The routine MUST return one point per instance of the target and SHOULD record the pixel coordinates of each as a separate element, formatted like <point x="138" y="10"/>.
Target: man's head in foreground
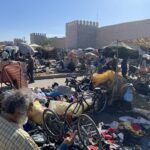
<point x="16" y="106"/>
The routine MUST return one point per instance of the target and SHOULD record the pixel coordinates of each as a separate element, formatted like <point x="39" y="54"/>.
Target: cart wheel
<point x="88" y="132"/>
<point x="52" y="123"/>
<point x="8" y="84"/>
<point x="73" y="110"/>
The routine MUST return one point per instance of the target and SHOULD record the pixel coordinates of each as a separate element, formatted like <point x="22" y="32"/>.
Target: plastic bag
<point x="60" y="107"/>
<point x="36" y="114"/>
<point x="128" y="95"/>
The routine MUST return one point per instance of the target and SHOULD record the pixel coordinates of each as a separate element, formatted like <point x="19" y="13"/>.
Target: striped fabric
<point x="12" y="137"/>
<point x="13" y="74"/>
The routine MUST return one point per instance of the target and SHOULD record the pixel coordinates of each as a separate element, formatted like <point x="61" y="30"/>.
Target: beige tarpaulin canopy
<point x="145" y="42"/>
<point x="90" y="55"/>
<point x="35" y="46"/>
<point x="2" y="47"/>
<point x="48" y="48"/>
<point x="25" y="48"/>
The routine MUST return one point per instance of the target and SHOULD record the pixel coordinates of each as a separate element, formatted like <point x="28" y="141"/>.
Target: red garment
<point x="136" y="127"/>
<point x="107" y="136"/>
<point x="91" y="147"/>
<point x="112" y="130"/>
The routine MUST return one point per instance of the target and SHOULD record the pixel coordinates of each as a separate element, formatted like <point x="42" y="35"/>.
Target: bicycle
<point x="99" y="102"/>
<point x="59" y="129"/>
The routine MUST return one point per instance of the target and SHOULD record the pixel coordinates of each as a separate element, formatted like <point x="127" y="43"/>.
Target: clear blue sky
<point x="18" y="18"/>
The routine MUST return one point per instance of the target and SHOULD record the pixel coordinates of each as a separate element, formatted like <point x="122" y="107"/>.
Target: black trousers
<point x="30" y="75"/>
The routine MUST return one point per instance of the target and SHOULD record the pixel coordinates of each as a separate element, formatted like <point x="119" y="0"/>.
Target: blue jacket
<point x="63" y="147"/>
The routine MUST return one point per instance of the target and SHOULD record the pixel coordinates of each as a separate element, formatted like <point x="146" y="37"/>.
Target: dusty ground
<point x="47" y="82"/>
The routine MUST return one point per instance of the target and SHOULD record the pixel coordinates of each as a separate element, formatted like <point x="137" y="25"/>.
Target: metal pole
<point x="115" y="82"/>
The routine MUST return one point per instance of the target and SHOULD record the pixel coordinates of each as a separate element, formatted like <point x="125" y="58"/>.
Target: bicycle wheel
<point x="100" y="102"/>
<point x="88" y="132"/>
<point x="100" y="99"/>
<point x="52" y="123"/>
<point x="73" y="110"/>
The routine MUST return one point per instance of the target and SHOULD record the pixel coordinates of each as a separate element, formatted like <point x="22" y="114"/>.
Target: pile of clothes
<point x="128" y="131"/>
<point x="56" y="98"/>
<point x="56" y="92"/>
